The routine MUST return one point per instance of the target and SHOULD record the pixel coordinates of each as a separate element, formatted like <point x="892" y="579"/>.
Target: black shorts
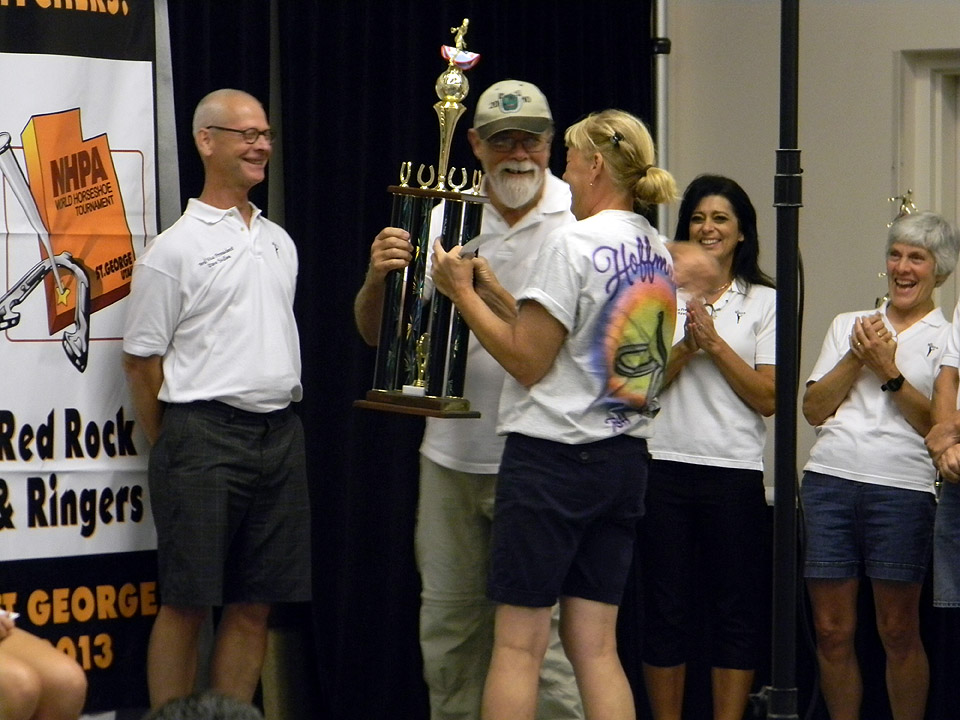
<point x="564" y="522"/>
<point x="228" y="489"/>
<point x="702" y="546"/>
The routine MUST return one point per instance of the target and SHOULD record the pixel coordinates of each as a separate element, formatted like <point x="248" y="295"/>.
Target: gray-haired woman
<point x="868" y="488"/>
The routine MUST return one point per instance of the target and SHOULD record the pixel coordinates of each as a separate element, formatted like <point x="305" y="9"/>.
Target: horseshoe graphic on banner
<point x="76" y="342"/>
<point x="21" y="190"/>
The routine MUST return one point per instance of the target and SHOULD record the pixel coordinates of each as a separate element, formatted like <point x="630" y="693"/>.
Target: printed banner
<point x="78" y="203"/>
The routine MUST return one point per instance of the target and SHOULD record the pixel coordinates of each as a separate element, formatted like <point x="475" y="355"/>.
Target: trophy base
<point x="398" y="402"/>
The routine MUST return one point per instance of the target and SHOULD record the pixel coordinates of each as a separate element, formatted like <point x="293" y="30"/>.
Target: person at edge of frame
<point x="37" y="681"/>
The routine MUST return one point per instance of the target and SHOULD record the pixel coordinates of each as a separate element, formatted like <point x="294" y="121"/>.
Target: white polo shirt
<point x="472" y="445"/>
<point x="702" y="420"/>
<point x="868" y="439"/>
<point x="215" y="299"/>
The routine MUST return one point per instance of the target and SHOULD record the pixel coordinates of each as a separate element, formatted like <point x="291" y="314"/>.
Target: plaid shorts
<point x="228" y="490"/>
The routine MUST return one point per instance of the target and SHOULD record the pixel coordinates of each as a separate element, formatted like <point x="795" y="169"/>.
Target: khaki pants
<point x="454" y="516"/>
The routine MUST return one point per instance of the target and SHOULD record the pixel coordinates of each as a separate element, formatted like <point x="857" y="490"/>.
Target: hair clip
<point x="616" y="138"/>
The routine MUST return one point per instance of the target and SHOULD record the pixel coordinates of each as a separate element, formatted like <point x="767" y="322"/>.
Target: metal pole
<point x="782" y="695"/>
<point x="661" y="49"/>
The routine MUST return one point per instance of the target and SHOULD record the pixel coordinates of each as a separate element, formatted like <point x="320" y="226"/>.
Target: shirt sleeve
<point x="767" y="333"/>
<point x="555" y="284"/>
<point x="832" y="349"/>
<point x="152" y="310"/>
<point x="951" y="354"/>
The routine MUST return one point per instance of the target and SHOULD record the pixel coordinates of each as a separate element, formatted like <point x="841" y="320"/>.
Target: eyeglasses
<point x="506" y="143"/>
<point x="250" y="135"/>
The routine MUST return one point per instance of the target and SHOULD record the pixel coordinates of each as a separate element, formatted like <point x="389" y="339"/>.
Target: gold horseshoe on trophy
<point x="455" y="186"/>
<point x="477" y="177"/>
<point x="405" y="169"/>
<point x="425" y="185"/>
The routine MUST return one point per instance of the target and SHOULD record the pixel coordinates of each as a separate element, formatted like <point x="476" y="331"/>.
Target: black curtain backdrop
<point x="357" y="93"/>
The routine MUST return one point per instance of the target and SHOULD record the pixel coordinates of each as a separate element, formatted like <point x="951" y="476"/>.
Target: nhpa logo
<point x="74" y="210"/>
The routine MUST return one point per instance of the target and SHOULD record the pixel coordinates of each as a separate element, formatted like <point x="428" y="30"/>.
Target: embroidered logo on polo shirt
<point x="217" y="258"/>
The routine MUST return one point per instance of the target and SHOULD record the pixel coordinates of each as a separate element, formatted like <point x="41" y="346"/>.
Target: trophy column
<point x="422" y="346"/>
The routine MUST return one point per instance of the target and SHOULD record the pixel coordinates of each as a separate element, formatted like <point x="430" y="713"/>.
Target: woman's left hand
<point x="699" y="326"/>
<point x="874" y="346"/>
<point x="452" y="274"/>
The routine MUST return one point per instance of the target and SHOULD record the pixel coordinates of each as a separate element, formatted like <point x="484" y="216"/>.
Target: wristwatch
<point x="893" y="384"/>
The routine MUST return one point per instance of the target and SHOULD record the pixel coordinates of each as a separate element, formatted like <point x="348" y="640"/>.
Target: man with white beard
<point x="459" y="459"/>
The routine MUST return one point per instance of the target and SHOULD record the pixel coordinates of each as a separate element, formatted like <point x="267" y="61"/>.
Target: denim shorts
<point x="564" y="520"/>
<point x="854" y="527"/>
<point x="946" y="548"/>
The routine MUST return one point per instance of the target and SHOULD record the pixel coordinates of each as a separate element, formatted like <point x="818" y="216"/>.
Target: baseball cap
<point x="512" y="105"/>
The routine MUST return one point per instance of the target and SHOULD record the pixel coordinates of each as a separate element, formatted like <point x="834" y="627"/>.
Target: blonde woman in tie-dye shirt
<point x="587" y="351"/>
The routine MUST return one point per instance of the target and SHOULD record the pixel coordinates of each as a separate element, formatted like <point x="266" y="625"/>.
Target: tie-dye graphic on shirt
<point x="636" y="330"/>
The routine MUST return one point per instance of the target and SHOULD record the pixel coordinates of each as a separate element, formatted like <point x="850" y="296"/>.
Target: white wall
<point x="724" y="85"/>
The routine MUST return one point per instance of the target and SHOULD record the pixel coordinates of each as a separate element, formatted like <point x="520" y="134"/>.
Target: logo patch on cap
<point x="511" y="103"/>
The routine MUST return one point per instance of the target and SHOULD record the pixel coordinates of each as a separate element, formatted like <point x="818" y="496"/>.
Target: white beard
<point x="516" y="190"/>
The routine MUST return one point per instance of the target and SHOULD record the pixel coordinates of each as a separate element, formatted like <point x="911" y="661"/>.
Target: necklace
<point x="713" y="308"/>
<point x="723" y="287"/>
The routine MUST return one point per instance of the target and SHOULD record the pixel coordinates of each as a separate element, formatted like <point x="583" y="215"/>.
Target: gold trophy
<point x="422" y="348"/>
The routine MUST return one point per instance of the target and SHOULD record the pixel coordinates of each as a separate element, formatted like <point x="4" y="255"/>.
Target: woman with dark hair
<point x="702" y="534"/>
<point x="746" y="254"/>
